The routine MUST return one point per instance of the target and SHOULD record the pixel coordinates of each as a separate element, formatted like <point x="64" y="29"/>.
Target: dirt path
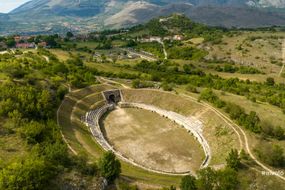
<point x="46" y="58"/>
<point x="105" y="81"/>
<point x="3" y="52"/>
<point x="246" y="144"/>
<point x="200" y="114"/>
<point x="164" y="50"/>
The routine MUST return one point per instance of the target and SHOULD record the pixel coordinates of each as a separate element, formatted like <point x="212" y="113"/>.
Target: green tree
<point x="109" y="166"/>
<point x="69" y="35"/>
<point x="30" y="174"/>
<point x="277" y="156"/>
<point x="278" y="133"/>
<point x="136" y="83"/>
<point x="33" y="132"/>
<point x="10" y="42"/>
<point x="271" y="154"/>
<point x="227" y="179"/>
<point x="188" y="183"/>
<point x="206" y="179"/>
<point x="233" y="160"/>
<point x="270" y="81"/>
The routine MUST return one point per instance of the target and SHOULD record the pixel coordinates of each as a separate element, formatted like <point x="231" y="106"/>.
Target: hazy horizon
<point x="7" y="6"/>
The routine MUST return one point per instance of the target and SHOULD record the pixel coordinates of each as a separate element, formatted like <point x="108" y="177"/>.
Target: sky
<point x="8" y="5"/>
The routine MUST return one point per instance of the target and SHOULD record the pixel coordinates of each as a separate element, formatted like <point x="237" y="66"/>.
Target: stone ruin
<point x="112" y="96"/>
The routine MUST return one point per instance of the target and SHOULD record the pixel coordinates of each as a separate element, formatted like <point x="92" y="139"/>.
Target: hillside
<point x="59" y="16"/>
<point x="186" y="78"/>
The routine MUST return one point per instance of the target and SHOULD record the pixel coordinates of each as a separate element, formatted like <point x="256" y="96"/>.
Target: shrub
<point x="109" y="166"/>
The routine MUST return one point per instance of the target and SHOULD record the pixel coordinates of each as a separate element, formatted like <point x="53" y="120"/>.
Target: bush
<point x="270" y="81"/>
<point x="142" y="84"/>
<point x="233" y="160"/>
<point x="272" y="155"/>
<point x="209" y="179"/>
<point x="191" y="88"/>
<point x="80" y="162"/>
<point x="167" y="87"/>
<point x="31" y="173"/>
<point x="109" y="166"/>
<point x="270" y="131"/>
<point x="188" y="183"/>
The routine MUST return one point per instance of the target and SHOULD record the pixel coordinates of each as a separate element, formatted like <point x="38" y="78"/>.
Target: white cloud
<point x="8" y="5"/>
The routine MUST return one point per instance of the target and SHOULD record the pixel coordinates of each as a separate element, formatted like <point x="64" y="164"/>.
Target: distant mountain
<point x="267" y="3"/>
<point x="50" y="16"/>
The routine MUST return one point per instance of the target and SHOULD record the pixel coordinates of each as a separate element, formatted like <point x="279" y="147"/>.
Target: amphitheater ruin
<point x="114" y="98"/>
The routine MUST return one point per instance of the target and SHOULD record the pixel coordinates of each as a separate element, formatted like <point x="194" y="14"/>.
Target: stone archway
<point x="112" y="96"/>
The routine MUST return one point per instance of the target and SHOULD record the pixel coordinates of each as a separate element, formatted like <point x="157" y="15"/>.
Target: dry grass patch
<point x="220" y="136"/>
<point x="164" y="100"/>
<point x="152" y="141"/>
<point x="252" y="48"/>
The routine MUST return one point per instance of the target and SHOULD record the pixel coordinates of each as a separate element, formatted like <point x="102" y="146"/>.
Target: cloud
<point x="8" y="5"/>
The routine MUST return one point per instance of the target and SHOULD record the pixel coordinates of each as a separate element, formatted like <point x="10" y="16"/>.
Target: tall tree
<point x="233" y="160"/>
<point x="206" y="179"/>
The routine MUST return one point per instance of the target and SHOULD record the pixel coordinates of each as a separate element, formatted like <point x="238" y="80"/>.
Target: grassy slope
<point x="256" y="53"/>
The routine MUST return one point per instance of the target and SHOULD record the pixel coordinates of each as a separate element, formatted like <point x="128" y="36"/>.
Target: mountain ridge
<point x="50" y="16"/>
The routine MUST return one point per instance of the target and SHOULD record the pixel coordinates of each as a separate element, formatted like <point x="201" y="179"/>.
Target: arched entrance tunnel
<point x="112" y="96"/>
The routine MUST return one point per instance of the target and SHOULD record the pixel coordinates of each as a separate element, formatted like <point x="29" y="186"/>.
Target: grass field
<point x="265" y="111"/>
<point x="60" y="54"/>
<point x="152" y="141"/>
<point x="108" y="67"/>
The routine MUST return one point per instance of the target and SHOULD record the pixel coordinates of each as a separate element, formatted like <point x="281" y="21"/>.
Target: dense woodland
<point x="29" y="100"/>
